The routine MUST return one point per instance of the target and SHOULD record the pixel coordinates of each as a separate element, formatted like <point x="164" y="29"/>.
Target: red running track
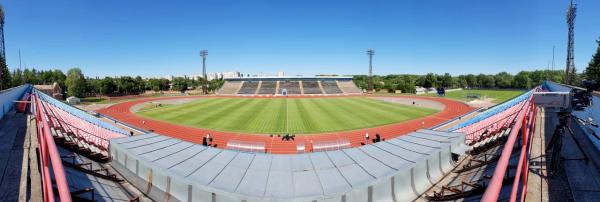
<point x="274" y="144"/>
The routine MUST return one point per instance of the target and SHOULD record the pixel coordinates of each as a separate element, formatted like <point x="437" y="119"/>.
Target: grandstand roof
<point x="311" y="176"/>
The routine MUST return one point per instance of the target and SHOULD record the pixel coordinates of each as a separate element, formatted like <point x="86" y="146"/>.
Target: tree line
<point x="503" y="80"/>
<point x="75" y="83"/>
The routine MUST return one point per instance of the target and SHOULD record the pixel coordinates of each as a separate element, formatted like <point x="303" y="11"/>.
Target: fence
<point x="330" y="145"/>
<point x="246" y="146"/>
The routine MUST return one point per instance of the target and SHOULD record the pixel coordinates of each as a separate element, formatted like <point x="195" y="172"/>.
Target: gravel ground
<point x="409" y="101"/>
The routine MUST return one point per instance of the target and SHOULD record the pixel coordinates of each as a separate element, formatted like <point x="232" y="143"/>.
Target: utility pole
<point x="204" y="53"/>
<point x="552" y="58"/>
<point x="370" y="52"/>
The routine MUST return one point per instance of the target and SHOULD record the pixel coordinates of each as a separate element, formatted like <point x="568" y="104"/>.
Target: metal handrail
<point x="49" y="154"/>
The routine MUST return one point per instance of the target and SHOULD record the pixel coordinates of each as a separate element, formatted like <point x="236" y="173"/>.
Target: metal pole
<point x="204" y="53"/>
<point x="370" y="52"/>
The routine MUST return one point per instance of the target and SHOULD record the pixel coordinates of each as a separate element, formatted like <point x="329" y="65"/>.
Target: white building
<point x="234" y="74"/>
<point x="280" y="74"/>
<point x="222" y="75"/>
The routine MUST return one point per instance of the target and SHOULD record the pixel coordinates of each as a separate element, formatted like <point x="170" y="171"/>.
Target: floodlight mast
<point x="370" y="52"/>
<point x="570" y="71"/>
<point x="204" y="53"/>
<point x="2" y="48"/>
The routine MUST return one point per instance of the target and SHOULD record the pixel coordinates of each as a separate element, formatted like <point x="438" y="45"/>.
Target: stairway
<point x="258" y="88"/>
<point x="321" y="87"/>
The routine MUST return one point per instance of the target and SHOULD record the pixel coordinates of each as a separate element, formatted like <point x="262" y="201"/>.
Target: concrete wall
<point x="8" y="96"/>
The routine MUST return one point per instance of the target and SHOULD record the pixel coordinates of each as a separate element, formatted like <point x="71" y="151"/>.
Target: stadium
<point x="297" y="146"/>
<point x="143" y="125"/>
<point x="320" y="121"/>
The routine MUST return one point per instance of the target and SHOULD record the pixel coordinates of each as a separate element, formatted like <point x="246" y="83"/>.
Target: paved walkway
<point x="275" y="145"/>
<point x="15" y="144"/>
<point x="575" y="179"/>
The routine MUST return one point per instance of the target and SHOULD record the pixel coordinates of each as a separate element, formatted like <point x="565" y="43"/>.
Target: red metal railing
<point x="524" y="123"/>
<point x="49" y="155"/>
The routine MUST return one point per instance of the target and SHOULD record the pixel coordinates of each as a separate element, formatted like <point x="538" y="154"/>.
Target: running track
<point x="274" y="144"/>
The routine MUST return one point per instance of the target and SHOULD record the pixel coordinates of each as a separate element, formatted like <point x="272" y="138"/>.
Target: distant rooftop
<point x="288" y="77"/>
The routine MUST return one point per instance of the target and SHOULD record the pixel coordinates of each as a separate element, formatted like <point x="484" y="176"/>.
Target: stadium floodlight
<point x="204" y="53"/>
<point x="370" y="52"/>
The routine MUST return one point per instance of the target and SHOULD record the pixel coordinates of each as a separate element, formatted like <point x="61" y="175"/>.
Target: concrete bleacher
<point x="268" y="87"/>
<point x="318" y="85"/>
<point x="348" y="87"/>
<point x="248" y="87"/>
<point x="398" y="169"/>
<point x="292" y="87"/>
<point x="311" y="87"/>
<point x="230" y="87"/>
<point x="331" y="87"/>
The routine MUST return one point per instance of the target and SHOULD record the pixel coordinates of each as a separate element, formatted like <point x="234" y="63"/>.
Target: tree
<point x="153" y="84"/>
<point x="17" y="77"/>
<point x="125" y="85"/>
<point x="446" y="80"/>
<point x="139" y="84"/>
<point x="592" y="72"/>
<point x="5" y="80"/>
<point x="461" y="81"/>
<point x="215" y="84"/>
<point x="503" y="80"/>
<point x="76" y="84"/>
<point x="522" y="80"/>
<point x="471" y="81"/>
<point x="179" y="84"/>
<point x="58" y="77"/>
<point x="429" y="80"/>
<point x="107" y="86"/>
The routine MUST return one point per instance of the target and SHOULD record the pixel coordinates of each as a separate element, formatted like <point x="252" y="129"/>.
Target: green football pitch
<point x="293" y="115"/>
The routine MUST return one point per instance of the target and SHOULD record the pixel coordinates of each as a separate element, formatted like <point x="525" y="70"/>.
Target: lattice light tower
<point x="370" y="52"/>
<point x="2" y="32"/>
<point x="204" y="53"/>
<point x="2" y="51"/>
<point x="570" y="68"/>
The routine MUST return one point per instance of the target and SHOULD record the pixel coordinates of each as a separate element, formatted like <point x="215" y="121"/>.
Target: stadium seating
<point x="311" y="87"/>
<point x="494" y="121"/>
<point x="331" y="87"/>
<point x="230" y="87"/>
<point x="77" y="128"/>
<point x="292" y="87"/>
<point x="268" y="87"/>
<point x="494" y="110"/>
<point x="79" y="113"/>
<point x="348" y="87"/>
<point x="249" y="87"/>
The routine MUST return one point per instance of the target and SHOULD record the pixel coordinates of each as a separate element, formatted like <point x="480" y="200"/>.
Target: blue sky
<point x="159" y="38"/>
